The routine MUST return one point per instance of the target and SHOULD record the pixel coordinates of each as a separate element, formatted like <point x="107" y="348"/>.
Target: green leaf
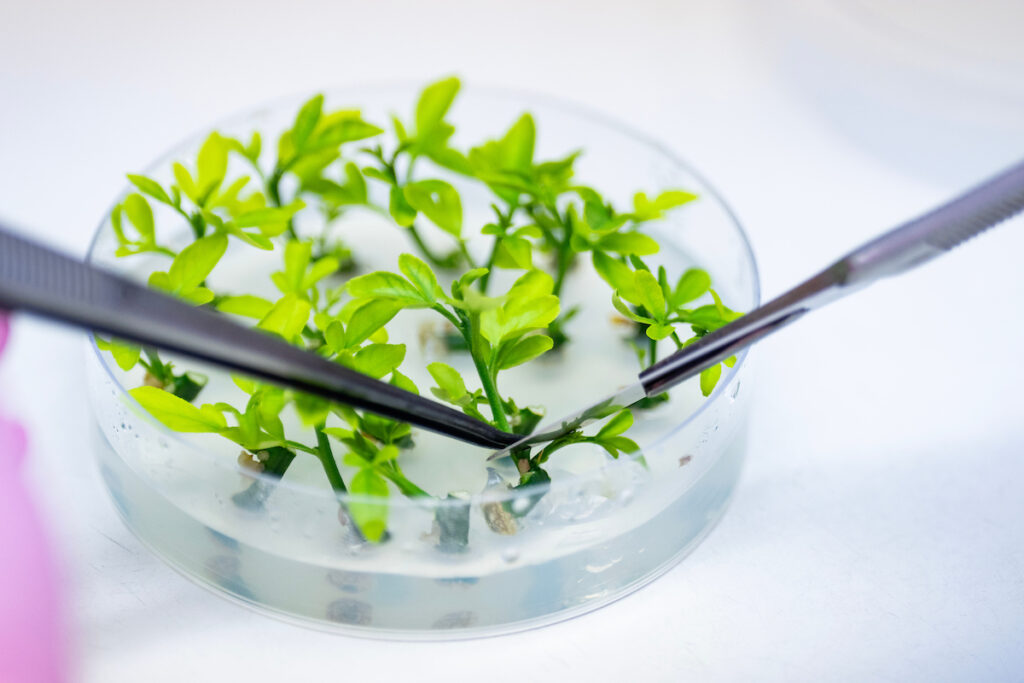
<point x="524" y="350"/>
<point x="368" y="505"/>
<point x="343" y="127"/>
<point x="288" y="317"/>
<point x="438" y="201"/>
<point x="160" y="280"/>
<point x="245" y="305"/>
<point x="377" y="360"/>
<point x="296" y="259"/>
<point x="468" y="278"/>
<point x="710" y="318"/>
<point x="617" y="425"/>
<point x="622" y="308"/>
<point x="353" y="191"/>
<point x="649" y="294"/>
<point x="198" y="296"/>
<point x="449" y="158"/>
<point x="449" y="381"/>
<point x="141" y="216"/>
<point x="518" y="316"/>
<point x="255" y="146"/>
<point x="150" y="187"/>
<point x="615" y="273"/>
<point x="385" y="285"/>
<point x="421" y="276"/>
<point x="434" y="102"/>
<point x="211" y="164"/>
<point x="334" y="335"/>
<point x="321" y="268"/>
<point x="514" y="252"/>
<point x="709" y="378"/>
<point x="402" y="382"/>
<point x="692" y="285"/>
<point x="645" y="209"/>
<point x="388" y="453"/>
<point x="399" y="207"/>
<point x="178" y="414"/>
<point x="659" y="331"/>
<point x="619" y="443"/>
<point x="532" y="284"/>
<point x="195" y="262"/>
<point x="337" y="432"/>
<point x="670" y="199"/>
<point x="367" y="319"/>
<point x="629" y="243"/>
<point x="305" y="122"/>
<point x="125" y="355"/>
<point x="518" y="144"/>
<point x="312" y="410"/>
<point x="269" y="215"/>
<point x="185" y="182"/>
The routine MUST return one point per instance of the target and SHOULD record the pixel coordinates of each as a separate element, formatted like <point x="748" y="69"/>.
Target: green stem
<point x="407" y="488"/>
<point x="198" y="225"/>
<point x="652" y="351"/>
<point x="465" y="326"/>
<point x="434" y="259"/>
<point x="491" y="391"/>
<point x="273" y="185"/>
<point x="565" y="257"/>
<point x="486" y="277"/>
<point x="466" y="255"/>
<point x="326" y="457"/>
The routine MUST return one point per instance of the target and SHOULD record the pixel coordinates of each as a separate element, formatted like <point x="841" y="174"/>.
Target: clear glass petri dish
<point x="491" y="560"/>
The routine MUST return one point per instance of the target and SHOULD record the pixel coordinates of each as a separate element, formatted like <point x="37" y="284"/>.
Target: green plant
<point x="334" y="162"/>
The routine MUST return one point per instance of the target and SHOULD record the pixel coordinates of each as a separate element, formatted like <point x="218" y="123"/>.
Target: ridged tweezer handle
<point x="939" y="230"/>
<point x="896" y="251"/>
<point x="38" y="279"/>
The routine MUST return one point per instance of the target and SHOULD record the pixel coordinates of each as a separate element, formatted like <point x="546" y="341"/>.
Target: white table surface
<point x="878" y="530"/>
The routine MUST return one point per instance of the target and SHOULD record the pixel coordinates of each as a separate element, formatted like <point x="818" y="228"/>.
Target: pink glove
<point x="31" y="630"/>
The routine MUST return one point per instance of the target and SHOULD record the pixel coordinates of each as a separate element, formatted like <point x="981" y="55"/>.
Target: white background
<point x="878" y="531"/>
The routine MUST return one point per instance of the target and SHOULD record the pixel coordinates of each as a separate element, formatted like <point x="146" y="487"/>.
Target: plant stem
<point x="198" y="224"/>
<point x="273" y="185"/>
<point x="434" y="259"/>
<point x="326" y="457"/>
<point x="466" y="255"/>
<point x="407" y="488"/>
<point x="491" y="391"/>
<point x="565" y="257"/>
<point x="486" y="380"/>
<point x="652" y="351"/>
<point x="486" y="277"/>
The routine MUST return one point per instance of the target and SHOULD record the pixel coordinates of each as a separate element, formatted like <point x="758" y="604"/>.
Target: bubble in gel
<point x="510" y="555"/>
<point x="520" y="505"/>
<point x="626" y="496"/>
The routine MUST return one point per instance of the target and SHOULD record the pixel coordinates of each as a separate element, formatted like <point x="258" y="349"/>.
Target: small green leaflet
<point x="177" y="414"/>
<point x="438" y="201"/>
<point x="190" y="269"/>
<point x="125" y="355"/>
<point x="287" y="318"/>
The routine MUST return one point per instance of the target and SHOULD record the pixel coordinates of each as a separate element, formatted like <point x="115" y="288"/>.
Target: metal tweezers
<point x="43" y="281"/>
